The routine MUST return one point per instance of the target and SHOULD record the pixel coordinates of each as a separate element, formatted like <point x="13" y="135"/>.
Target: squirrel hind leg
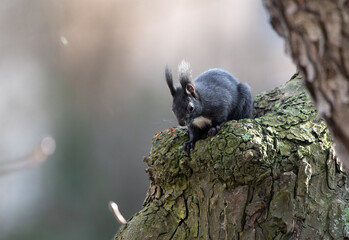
<point x="245" y="106"/>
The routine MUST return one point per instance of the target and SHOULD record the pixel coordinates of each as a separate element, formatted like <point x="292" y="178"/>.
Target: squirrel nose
<point x="182" y="123"/>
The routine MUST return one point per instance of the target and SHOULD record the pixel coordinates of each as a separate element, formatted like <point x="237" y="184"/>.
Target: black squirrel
<point x="213" y="98"/>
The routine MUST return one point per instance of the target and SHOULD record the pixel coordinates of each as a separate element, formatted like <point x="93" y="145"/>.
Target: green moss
<point x="284" y="147"/>
<point x="286" y="124"/>
<point x="345" y="219"/>
<point x="283" y="160"/>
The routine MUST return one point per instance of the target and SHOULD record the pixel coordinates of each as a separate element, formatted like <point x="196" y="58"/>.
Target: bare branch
<point x="38" y="155"/>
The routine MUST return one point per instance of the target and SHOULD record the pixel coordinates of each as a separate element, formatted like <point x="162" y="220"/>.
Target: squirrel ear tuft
<point x="184" y="74"/>
<point x="184" y="70"/>
<point x="169" y="81"/>
<point x="190" y="90"/>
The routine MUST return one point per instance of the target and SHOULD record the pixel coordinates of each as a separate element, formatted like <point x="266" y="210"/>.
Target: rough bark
<point x="316" y="34"/>
<point x="272" y="177"/>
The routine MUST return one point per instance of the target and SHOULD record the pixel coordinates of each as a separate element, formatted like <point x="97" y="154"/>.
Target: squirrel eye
<point x="190" y="107"/>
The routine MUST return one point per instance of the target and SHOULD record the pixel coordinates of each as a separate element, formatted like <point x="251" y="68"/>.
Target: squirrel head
<point x="186" y="102"/>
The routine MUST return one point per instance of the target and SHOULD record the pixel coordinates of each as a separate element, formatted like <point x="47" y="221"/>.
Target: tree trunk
<point x="316" y="34"/>
<point x="272" y="177"/>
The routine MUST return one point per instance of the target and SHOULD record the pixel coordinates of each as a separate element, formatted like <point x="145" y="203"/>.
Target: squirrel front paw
<point x="213" y="131"/>
<point x="188" y="146"/>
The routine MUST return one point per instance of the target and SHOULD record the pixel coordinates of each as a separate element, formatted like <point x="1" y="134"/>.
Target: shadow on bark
<point x="272" y="177"/>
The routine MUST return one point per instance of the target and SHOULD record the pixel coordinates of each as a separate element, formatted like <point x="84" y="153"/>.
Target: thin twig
<point x="115" y="210"/>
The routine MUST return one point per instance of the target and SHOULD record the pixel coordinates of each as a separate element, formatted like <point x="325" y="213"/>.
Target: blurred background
<point x="91" y="75"/>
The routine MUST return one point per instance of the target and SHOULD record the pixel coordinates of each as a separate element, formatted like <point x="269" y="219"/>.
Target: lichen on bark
<point x="316" y="36"/>
<point x="272" y="177"/>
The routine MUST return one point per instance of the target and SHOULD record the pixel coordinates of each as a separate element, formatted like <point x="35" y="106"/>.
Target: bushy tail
<point x="245" y="106"/>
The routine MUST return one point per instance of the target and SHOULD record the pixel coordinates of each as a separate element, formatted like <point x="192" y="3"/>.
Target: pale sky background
<point x="91" y="75"/>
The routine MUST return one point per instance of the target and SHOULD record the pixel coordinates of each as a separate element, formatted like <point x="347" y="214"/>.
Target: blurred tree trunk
<point x="316" y="34"/>
<point x="272" y="177"/>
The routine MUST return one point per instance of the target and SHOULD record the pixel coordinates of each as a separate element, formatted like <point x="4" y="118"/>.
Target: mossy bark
<point x="316" y="36"/>
<point x="272" y="177"/>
